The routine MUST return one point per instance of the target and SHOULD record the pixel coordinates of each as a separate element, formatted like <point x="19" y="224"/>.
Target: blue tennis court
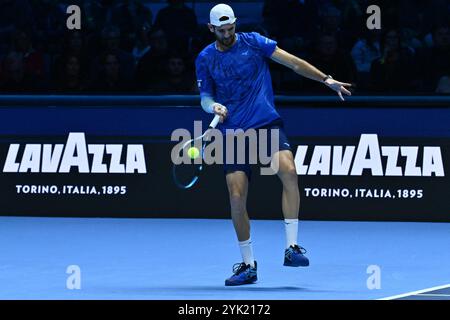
<point x="189" y="259"/>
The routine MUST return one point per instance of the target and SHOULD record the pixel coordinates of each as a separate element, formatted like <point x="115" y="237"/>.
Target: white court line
<point x="412" y="293"/>
<point x="433" y="295"/>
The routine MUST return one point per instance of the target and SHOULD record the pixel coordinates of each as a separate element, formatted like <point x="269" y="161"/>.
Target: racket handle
<point x="214" y="122"/>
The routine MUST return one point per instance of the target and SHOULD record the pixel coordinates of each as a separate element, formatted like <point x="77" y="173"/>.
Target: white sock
<point x="247" y="252"/>
<point x="291" y="226"/>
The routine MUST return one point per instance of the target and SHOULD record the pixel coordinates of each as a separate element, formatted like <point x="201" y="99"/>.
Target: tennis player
<point x="234" y="82"/>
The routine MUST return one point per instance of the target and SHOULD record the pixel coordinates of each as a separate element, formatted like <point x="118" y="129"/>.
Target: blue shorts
<point x="269" y="150"/>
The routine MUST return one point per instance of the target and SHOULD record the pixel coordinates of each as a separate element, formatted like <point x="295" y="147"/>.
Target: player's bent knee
<point x="237" y="197"/>
<point x="289" y="171"/>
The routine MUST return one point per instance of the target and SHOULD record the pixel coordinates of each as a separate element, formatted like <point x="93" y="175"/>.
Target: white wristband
<point x="207" y="103"/>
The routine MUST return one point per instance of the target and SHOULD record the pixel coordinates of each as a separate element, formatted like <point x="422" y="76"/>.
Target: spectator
<point x="130" y="16"/>
<point x="34" y="61"/>
<point x="71" y="77"/>
<point x="110" y="42"/>
<point x="142" y="44"/>
<point x="179" y="22"/>
<point x="109" y="79"/>
<point x="152" y="63"/>
<point x="1" y="74"/>
<point x="74" y="44"/>
<point x="354" y="17"/>
<point x="14" y="14"/>
<point x="420" y="16"/>
<point x="290" y="18"/>
<point x="201" y="39"/>
<point x="293" y="24"/>
<point x="410" y="40"/>
<point x="331" y="23"/>
<point x="435" y="60"/>
<point x="390" y="13"/>
<point x="176" y="79"/>
<point x="49" y="23"/>
<point x="443" y="86"/>
<point x="329" y="57"/>
<point x="364" y="52"/>
<point x="394" y="71"/>
<point x="97" y="14"/>
<point x="331" y="20"/>
<point x="16" y="80"/>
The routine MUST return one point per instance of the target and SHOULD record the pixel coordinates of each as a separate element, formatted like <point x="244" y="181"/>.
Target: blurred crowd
<point x="124" y="47"/>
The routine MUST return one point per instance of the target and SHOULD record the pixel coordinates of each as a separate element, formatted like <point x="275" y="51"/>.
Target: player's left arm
<point x="307" y="70"/>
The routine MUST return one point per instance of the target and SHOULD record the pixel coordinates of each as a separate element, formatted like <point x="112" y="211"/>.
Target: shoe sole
<point x="231" y="284"/>
<point x="295" y="265"/>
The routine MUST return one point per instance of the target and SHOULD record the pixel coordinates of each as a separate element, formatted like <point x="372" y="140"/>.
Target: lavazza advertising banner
<point x="90" y="171"/>
<point x="365" y="177"/>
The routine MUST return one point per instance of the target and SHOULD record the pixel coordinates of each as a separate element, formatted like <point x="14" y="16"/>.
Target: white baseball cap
<point x="221" y="14"/>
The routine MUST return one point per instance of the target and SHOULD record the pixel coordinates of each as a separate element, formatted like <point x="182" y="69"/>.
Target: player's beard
<point x="228" y="42"/>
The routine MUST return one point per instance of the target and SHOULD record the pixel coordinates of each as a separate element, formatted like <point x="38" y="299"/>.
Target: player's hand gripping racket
<point x="185" y="170"/>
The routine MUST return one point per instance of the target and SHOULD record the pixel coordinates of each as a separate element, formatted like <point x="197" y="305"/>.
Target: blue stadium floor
<point x="182" y="259"/>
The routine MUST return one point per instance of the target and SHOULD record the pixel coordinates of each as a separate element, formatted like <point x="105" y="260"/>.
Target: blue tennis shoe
<point x="243" y="274"/>
<point x="294" y="257"/>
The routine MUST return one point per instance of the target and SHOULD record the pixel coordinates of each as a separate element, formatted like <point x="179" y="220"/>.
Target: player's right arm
<point x="210" y="106"/>
<point x="206" y="87"/>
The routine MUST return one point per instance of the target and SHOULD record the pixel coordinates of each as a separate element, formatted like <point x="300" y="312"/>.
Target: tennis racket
<point x="187" y="173"/>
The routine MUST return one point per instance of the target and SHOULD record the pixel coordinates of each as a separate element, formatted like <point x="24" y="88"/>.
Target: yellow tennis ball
<point x="193" y="152"/>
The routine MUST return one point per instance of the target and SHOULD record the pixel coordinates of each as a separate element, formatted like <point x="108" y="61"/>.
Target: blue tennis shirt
<point x="239" y="79"/>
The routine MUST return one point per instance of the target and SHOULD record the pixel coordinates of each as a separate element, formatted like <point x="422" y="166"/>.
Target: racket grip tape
<point x="214" y="122"/>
